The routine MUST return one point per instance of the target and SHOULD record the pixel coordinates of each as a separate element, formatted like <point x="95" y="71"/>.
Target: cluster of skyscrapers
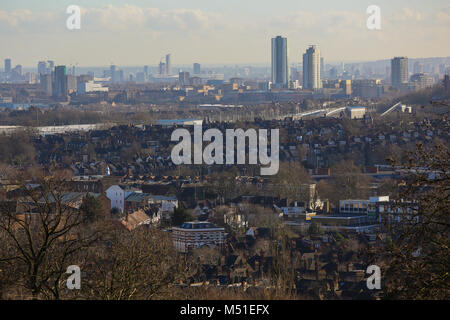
<point x="313" y="70"/>
<point x="400" y="75"/>
<point x="165" y="68"/>
<point x="45" y="67"/>
<point x="58" y="83"/>
<point x="312" y="65"/>
<point x="16" y="74"/>
<point x="368" y="80"/>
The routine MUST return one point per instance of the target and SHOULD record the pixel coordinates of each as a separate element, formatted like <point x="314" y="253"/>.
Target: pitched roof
<point x="135" y="219"/>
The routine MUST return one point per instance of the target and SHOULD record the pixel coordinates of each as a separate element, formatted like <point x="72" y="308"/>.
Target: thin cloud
<point x="144" y="33"/>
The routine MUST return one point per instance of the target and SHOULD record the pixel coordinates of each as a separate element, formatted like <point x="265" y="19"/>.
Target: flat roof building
<point x="193" y="235"/>
<point x="280" y="67"/>
<point x="356" y="112"/>
<point x="399" y="71"/>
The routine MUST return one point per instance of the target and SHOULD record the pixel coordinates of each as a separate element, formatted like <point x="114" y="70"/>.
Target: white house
<point x="117" y="196"/>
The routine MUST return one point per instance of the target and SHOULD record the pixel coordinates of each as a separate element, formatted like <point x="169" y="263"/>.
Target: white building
<point x="91" y="86"/>
<point x="362" y="207"/>
<point x="311" y="69"/>
<point x="192" y="235"/>
<point x="117" y="196"/>
<point x="356" y="112"/>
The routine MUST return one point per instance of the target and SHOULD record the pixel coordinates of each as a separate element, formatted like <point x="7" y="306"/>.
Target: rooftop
<point x="198" y="225"/>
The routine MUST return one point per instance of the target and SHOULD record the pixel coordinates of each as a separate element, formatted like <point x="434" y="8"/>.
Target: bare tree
<point x="125" y="265"/>
<point x="290" y="180"/>
<point x="417" y="253"/>
<point x="42" y="233"/>
<point x="346" y="182"/>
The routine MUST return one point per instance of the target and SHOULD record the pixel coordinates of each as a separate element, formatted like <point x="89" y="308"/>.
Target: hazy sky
<point x="140" y="32"/>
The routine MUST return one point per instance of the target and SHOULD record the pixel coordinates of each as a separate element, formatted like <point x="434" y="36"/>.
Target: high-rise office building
<point x="280" y="67"/>
<point x="116" y="74"/>
<point x="42" y="68"/>
<point x="60" y="83"/>
<point x="197" y="68"/>
<point x="7" y="66"/>
<point x="17" y="70"/>
<point x="120" y="75"/>
<point x="168" y="64"/>
<point x="71" y="83"/>
<point x="346" y="85"/>
<point x="183" y="77"/>
<point x="399" y="71"/>
<point x="322" y="68"/>
<point x="112" y="72"/>
<point x="46" y="84"/>
<point x="311" y="69"/>
<point x="294" y="74"/>
<point x="51" y="66"/>
<point x="418" y="67"/>
<point x="162" y="68"/>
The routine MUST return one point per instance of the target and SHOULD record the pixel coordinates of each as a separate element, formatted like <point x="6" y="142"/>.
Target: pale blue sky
<point x="138" y="32"/>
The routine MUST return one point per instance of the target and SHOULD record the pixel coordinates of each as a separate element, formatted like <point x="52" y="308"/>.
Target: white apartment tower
<point x="311" y="69"/>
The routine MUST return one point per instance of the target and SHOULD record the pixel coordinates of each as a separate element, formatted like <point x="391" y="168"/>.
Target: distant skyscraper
<point x="51" y="66"/>
<point x="162" y="68"/>
<point x="294" y="74"/>
<point x="183" y="77"/>
<point x="17" y="70"/>
<point x="71" y="83"/>
<point x="197" y="69"/>
<point x="46" y="84"/>
<point x="346" y="85"/>
<point x="280" y="67"/>
<point x="311" y="69"/>
<point x="418" y="67"/>
<point x="322" y="68"/>
<point x="399" y="71"/>
<point x="60" y="85"/>
<point x="42" y="68"/>
<point x="7" y="66"/>
<point x="120" y="75"/>
<point x="116" y="74"/>
<point x="146" y="71"/>
<point x="168" y="64"/>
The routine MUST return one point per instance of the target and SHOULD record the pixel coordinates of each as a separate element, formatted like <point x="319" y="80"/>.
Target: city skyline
<point x="212" y="34"/>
